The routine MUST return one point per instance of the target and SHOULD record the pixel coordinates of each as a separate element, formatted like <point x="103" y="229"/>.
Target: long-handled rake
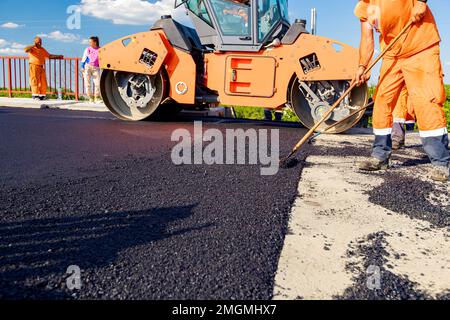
<point x="307" y="137"/>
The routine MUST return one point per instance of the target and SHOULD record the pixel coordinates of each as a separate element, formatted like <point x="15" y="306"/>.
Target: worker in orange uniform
<point x="413" y="62"/>
<point x="403" y="117"/>
<point x="37" y="55"/>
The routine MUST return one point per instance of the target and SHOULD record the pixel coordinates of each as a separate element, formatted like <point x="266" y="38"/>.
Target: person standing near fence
<point x="38" y="80"/>
<point x="91" y="69"/>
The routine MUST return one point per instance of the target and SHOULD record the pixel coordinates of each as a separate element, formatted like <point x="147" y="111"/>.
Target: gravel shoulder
<point x="347" y="226"/>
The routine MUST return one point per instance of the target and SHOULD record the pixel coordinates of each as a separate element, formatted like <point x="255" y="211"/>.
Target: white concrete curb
<point x="52" y="104"/>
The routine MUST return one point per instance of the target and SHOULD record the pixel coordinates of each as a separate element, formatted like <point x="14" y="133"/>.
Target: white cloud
<point x="9" y="48"/>
<point x="129" y="12"/>
<point x="11" y="25"/>
<point x="16" y="45"/>
<point x="448" y="63"/>
<point x="61" y="36"/>
<point x="10" y="51"/>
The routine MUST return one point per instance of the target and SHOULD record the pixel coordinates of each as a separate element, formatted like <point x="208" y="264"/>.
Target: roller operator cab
<point x="240" y="52"/>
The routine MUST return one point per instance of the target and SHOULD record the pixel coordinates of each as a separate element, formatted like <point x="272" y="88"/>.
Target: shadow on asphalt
<point x="34" y="249"/>
<point x="190" y="118"/>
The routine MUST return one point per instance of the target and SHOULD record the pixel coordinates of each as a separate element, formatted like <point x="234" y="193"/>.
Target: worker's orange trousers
<point x="38" y="81"/>
<point x="402" y="116"/>
<point x="403" y="112"/>
<point x="422" y="76"/>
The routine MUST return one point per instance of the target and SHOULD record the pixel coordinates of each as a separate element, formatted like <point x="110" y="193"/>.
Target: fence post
<point x="9" y="78"/>
<point x="77" y="84"/>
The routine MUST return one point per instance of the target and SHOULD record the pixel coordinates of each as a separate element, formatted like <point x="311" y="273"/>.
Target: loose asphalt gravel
<point x="81" y="188"/>
<point x="409" y="199"/>
<point x="413" y="191"/>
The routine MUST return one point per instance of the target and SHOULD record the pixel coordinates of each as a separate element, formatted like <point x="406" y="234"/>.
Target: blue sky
<point x="109" y="19"/>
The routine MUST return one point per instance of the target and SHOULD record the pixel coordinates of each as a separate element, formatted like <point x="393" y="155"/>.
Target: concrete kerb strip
<point x="52" y="104"/>
<point x="29" y="103"/>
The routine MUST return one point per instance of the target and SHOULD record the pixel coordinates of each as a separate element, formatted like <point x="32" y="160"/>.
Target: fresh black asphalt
<point x="81" y="188"/>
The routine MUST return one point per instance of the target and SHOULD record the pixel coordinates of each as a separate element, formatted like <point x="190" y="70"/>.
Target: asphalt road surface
<point x="84" y="189"/>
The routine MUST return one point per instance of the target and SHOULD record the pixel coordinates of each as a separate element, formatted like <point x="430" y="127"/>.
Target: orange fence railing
<point x="62" y="75"/>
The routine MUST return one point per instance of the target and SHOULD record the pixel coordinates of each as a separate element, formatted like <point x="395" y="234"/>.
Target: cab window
<point x="268" y="16"/>
<point x="233" y="17"/>
<point x="198" y="7"/>
<point x="284" y="10"/>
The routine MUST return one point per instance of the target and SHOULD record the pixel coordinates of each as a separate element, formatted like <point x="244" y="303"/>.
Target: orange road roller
<point x="240" y="53"/>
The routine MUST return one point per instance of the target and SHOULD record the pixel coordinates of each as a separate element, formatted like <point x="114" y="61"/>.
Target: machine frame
<point x="203" y="67"/>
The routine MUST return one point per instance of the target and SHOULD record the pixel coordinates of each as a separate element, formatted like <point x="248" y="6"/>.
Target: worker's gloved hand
<point x="418" y="12"/>
<point x="360" y="78"/>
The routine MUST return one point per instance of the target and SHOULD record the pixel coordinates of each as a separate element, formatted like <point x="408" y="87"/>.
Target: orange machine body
<point x="263" y="79"/>
<point x="239" y="78"/>
<point x="125" y="55"/>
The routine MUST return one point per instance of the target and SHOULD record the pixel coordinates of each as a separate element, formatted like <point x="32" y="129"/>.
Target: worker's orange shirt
<point x="38" y="56"/>
<point x="390" y="16"/>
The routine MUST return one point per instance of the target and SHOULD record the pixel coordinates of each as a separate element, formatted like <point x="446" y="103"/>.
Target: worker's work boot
<point x="397" y="143"/>
<point x="398" y="136"/>
<point x="373" y="164"/>
<point x="440" y="173"/>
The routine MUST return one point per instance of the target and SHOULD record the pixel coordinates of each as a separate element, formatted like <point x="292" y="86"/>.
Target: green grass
<point x="249" y="113"/>
<point x="253" y="113"/>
